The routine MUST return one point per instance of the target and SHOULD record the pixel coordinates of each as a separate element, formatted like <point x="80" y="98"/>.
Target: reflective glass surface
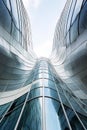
<point x="51" y="94"/>
<point x="52" y="118"/>
<point x="48" y="105"/>
<point x="7" y="3"/>
<point x="83" y="18"/>
<point x="5" y="18"/>
<point x="32" y="116"/>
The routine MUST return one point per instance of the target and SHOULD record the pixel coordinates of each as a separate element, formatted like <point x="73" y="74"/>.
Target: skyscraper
<point x="43" y="94"/>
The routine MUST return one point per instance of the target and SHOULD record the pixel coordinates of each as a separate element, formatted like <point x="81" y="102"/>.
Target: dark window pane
<point x="14" y="12"/>
<point x="67" y="39"/>
<point x="50" y="93"/>
<point x="74" y="30"/>
<point x="51" y="108"/>
<point x="73" y="2"/>
<point x="5" y="19"/>
<point x="15" y="32"/>
<point x="32" y="116"/>
<point x="7" y="4"/>
<point x="10" y="120"/>
<point x="77" y="9"/>
<point x="83" y="19"/>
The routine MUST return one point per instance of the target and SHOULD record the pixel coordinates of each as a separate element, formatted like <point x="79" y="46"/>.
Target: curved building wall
<point x="33" y="96"/>
<point x="14" y="20"/>
<point x="16" y="51"/>
<point x="69" y="53"/>
<point x="46" y="106"/>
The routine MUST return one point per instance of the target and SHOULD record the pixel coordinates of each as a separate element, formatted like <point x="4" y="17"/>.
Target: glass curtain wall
<point x="47" y="106"/>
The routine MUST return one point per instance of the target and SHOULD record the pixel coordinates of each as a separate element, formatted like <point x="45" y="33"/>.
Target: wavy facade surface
<point x="46" y="105"/>
<point x="16" y="51"/>
<point x="69" y="53"/>
<point x="43" y="94"/>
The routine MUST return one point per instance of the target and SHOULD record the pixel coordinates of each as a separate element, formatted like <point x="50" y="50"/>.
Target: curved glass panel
<point x="83" y="19"/>
<point x="14" y="13"/>
<point x="72" y="6"/>
<point x="77" y="9"/>
<point x="74" y="30"/>
<point x="7" y="3"/>
<point x="32" y="116"/>
<point x="67" y="39"/>
<point x="3" y="109"/>
<point x="10" y="120"/>
<point x="52" y="119"/>
<point x="5" y="18"/>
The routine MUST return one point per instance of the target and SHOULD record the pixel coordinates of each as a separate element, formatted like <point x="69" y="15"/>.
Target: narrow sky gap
<point x="43" y="16"/>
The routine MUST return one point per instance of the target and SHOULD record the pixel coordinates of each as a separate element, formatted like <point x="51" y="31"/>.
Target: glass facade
<point x="47" y="106"/>
<point x="69" y="55"/>
<point x="43" y="94"/>
<point x="69" y="58"/>
<point x="16" y="52"/>
<point x="14" y="20"/>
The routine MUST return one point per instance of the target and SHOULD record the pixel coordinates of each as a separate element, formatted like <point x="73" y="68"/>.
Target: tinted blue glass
<point x="74" y="30"/>
<point x="10" y="120"/>
<point x="32" y="116"/>
<point x="77" y="9"/>
<point x="62" y="119"/>
<point x="72" y="6"/>
<point x="5" y="18"/>
<point x="35" y="93"/>
<point x="68" y="39"/>
<point x="51" y="108"/>
<point x="4" y="108"/>
<point x="15" y="32"/>
<point x="83" y="19"/>
<point x="50" y="93"/>
<point x="14" y="12"/>
<point x="7" y="3"/>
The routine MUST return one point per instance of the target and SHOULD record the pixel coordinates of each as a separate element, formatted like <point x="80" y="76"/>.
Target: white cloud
<point x="43" y="50"/>
<point x="31" y="3"/>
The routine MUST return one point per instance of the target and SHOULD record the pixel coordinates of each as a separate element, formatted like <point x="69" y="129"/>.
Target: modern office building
<point x="16" y="51"/>
<point x="43" y="94"/>
<point x="69" y="53"/>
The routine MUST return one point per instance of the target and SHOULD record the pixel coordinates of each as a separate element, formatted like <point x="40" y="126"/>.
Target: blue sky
<point x="43" y="15"/>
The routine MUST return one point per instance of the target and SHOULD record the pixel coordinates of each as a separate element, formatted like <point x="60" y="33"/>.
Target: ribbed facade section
<point x="69" y="53"/>
<point x="43" y="94"/>
<point x="17" y="57"/>
<point x="46" y="105"/>
<point x="69" y="48"/>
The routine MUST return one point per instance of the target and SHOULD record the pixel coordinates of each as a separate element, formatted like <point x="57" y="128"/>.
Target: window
<point x="83" y="19"/>
<point x="5" y="18"/>
<point x="15" y="22"/>
<point x="6" y="2"/>
<point x="77" y="9"/>
<point x="14" y="13"/>
<point x="74" y="30"/>
<point x="72" y="5"/>
<point x="67" y="39"/>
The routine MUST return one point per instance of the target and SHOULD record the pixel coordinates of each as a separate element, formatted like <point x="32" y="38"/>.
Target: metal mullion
<point x="43" y="104"/>
<point x="79" y="104"/>
<point x="74" y="110"/>
<point x="75" y="95"/>
<point x="22" y="110"/>
<point x="62" y="106"/>
<point x="63" y="109"/>
<point x="6" y="112"/>
<point x="77" y="98"/>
